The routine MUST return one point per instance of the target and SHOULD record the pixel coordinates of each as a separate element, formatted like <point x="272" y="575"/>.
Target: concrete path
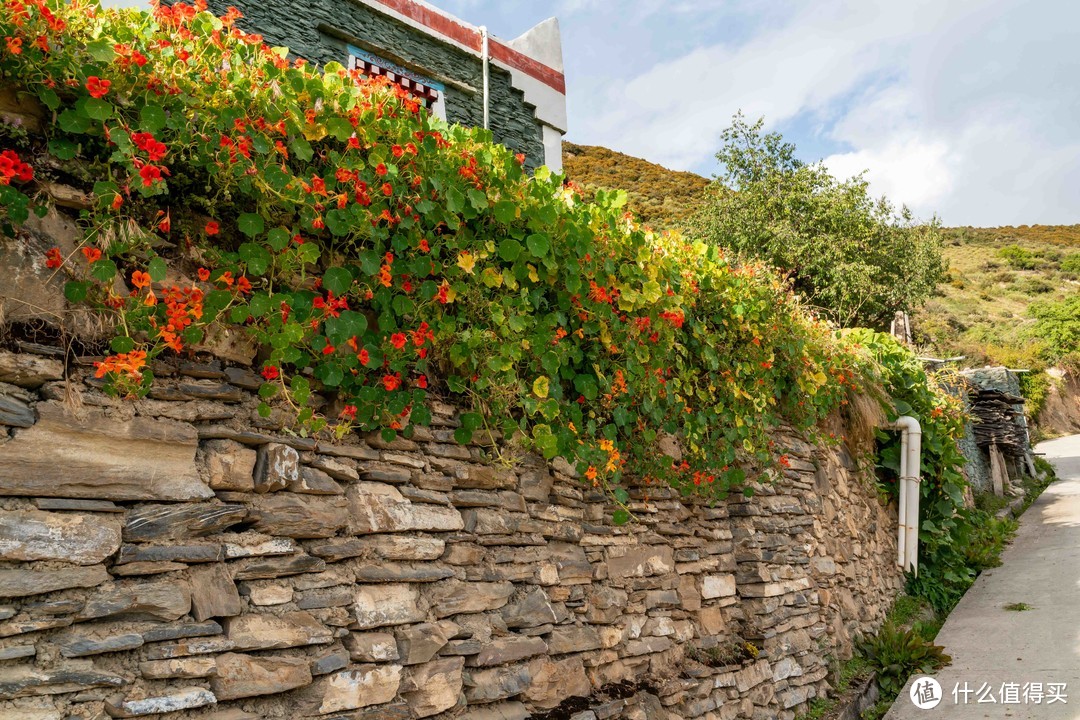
<point x="998" y="652"/>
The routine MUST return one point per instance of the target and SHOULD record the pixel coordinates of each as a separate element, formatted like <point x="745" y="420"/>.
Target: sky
<point x="964" y="109"/>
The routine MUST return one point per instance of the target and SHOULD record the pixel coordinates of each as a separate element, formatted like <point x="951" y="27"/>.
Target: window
<point x="431" y="93"/>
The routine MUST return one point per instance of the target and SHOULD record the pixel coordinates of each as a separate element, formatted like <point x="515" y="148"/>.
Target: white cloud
<point x="965" y="108"/>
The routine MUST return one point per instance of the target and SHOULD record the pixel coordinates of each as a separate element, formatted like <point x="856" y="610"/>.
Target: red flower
<point x="328" y="349"/>
<point x="391" y="382"/>
<point x="424" y="246"/>
<point x="149" y="173"/>
<point x="380" y="169"/>
<point x="766" y="365"/>
<point x="387" y="189"/>
<point x="204" y="274"/>
<point x="349" y="412"/>
<point x="97" y="87"/>
<point x="269" y="372"/>
<point x="165" y="225"/>
<point x="363" y="356"/>
<point x="421" y="382"/>
<point x="243" y="285"/>
<point x="398" y="340"/>
<point x="53" y="259"/>
<point x="14" y="45"/>
<point x="91" y="254"/>
<point x="140" y="279"/>
<point x="212" y="228"/>
<point x="117" y="201"/>
<point x="397" y="150"/>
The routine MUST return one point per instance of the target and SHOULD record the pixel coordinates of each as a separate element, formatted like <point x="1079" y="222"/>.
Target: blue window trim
<point x="394" y="68"/>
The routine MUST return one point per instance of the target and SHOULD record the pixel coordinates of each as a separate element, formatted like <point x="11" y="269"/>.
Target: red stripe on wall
<point x="470" y="38"/>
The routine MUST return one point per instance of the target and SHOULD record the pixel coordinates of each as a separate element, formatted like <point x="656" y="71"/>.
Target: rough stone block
<point x="22" y="582"/>
<point x="263" y="631"/>
<point x="213" y="592"/>
<point x="299" y="516"/>
<point x="101" y="458"/>
<point x="241" y="676"/>
<point x="356" y="688"/>
<point x="453" y="597"/>
<point x="160" y="600"/>
<point x="277" y="465"/>
<point x="27" y="535"/>
<point x="229" y="465"/>
<point x="382" y="605"/>
<point x="715" y="586"/>
<point x="640" y="561"/>
<point x="377" y="507"/>
<point x="433" y="687"/>
<point x="181" y="699"/>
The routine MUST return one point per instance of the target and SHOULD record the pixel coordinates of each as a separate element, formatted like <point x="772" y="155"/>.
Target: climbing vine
<point x="379" y="255"/>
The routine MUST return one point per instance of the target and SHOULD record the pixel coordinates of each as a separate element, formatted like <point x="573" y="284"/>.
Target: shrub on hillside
<point x="858" y="259"/>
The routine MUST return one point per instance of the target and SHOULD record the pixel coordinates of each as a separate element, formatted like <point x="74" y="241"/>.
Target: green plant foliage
<point x="379" y="255"/>
<point x="896" y="654"/>
<point x="1057" y="325"/>
<point x="945" y="527"/>
<point x="847" y="253"/>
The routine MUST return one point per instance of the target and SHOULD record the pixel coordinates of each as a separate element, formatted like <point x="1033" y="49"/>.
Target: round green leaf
<point x="337" y="280"/>
<point x="250" y="224"/>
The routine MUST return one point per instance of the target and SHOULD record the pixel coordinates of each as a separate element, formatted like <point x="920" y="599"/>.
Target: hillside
<point x="662" y="198"/>
<point x="981" y="312"/>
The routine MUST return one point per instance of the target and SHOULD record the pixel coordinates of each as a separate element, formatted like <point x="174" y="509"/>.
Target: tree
<point x="857" y="259"/>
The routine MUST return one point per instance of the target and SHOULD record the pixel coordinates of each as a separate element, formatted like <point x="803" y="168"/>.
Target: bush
<point x="1057" y="325"/>
<point x="858" y="259"/>
<point x="1018" y="257"/>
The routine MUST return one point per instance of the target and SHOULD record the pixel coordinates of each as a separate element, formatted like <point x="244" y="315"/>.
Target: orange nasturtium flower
<point x="129" y="364"/>
<point x="140" y="279"/>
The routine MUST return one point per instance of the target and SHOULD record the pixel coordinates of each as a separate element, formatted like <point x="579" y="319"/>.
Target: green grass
<point x="1018" y="607"/>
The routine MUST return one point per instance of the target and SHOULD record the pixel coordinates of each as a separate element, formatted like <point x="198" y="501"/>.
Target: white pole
<point x="484" y="56"/>
<point x="907" y="552"/>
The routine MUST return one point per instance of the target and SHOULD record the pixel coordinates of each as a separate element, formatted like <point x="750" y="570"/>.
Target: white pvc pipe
<point x="910" y="477"/>
<point x="484" y="56"/>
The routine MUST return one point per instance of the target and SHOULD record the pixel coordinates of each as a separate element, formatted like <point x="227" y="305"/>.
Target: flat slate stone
<point x="161" y="600"/>
<point x="21" y="582"/>
<point x="81" y="505"/>
<point x="175" y="632"/>
<point x="74" y="647"/>
<point x="131" y="553"/>
<point x="174" y="522"/>
<point x="16" y="682"/>
<point x="15" y="412"/>
<point x="21" y="627"/>
<point x="17" y="651"/>
<point x="101" y="458"/>
<point x="272" y="567"/>
<point x="28" y="371"/>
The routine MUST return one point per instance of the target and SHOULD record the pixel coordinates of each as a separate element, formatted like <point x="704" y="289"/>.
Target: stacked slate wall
<point x="180" y="557"/>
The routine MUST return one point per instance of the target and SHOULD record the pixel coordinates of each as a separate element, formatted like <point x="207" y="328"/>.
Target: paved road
<point x="993" y="646"/>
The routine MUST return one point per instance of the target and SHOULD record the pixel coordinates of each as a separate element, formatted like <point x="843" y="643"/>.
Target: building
<point x="435" y="56"/>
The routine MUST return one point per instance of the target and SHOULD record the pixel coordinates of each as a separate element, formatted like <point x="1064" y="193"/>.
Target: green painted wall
<point x="297" y="24"/>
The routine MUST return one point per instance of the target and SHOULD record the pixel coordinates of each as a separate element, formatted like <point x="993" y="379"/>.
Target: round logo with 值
<point x="925" y="693"/>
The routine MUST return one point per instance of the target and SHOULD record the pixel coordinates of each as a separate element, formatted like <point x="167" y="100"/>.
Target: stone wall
<point x="179" y="557"/>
